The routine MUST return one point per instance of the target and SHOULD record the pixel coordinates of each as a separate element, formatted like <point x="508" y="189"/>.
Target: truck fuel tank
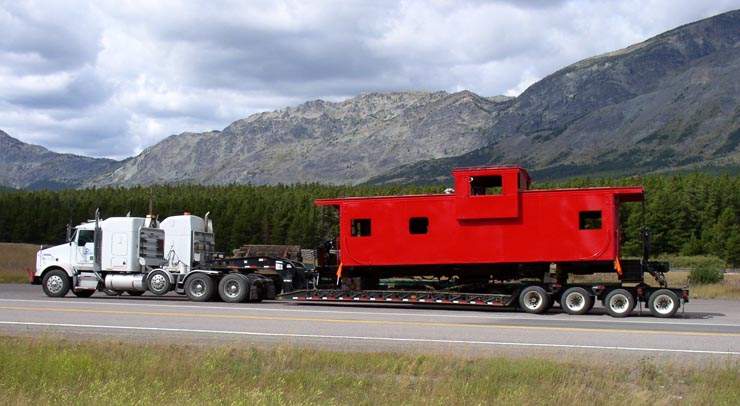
<point x="125" y="282"/>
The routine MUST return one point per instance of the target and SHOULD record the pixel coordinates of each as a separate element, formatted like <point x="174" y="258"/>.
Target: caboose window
<point x="360" y="227"/>
<point x="418" y="225"/>
<point x="589" y="220"/>
<point x="486" y="185"/>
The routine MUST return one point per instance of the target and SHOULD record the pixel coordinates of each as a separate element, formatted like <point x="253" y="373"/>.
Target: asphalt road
<point x="709" y="330"/>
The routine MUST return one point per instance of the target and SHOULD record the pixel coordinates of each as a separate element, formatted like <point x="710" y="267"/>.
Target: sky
<point x="109" y="78"/>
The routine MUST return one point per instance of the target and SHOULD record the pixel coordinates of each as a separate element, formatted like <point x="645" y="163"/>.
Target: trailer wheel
<point x="159" y="282"/>
<point x="233" y="288"/>
<point x="619" y="303"/>
<point x="83" y="293"/>
<point x="576" y="301"/>
<point x="534" y="299"/>
<point x="663" y="303"/>
<point x="199" y="288"/>
<point x="56" y="283"/>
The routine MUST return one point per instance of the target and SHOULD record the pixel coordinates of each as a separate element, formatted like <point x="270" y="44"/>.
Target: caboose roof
<point x="623" y="193"/>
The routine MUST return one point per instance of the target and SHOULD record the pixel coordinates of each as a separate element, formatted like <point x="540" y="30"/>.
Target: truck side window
<point x="360" y="227"/>
<point x="589" y="220"/>
<point x="418" y="225"/>
<point x="85" y="236"/>
<point x="486" y="185"/>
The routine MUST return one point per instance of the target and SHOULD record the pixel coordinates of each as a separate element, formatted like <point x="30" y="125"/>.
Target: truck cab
<point x="113" y="247"/>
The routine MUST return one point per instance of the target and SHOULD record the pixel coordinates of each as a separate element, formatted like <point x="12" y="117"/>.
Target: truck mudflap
<point x="377" y="296"/>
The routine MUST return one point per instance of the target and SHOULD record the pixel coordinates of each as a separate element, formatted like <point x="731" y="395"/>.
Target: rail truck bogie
<point x="500" y="242"/>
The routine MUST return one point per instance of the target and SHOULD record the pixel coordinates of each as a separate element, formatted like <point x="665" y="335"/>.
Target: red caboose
<point x="492" y="241"/>
<point x="491" y="223"/>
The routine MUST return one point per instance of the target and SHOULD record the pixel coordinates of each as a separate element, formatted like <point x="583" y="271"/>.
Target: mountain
<point x="332" y="143"/>
<point x="33" y="167"/>
<point x="669" y="103"/>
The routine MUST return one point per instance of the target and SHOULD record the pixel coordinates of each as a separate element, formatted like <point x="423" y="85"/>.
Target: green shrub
<point x="705" y="273"/>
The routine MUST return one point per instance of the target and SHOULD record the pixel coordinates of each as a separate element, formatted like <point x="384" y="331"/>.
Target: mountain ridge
<point x="669" y="103"/>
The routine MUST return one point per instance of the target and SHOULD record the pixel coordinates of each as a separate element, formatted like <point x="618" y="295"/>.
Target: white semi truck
<point x="138" y="254"/>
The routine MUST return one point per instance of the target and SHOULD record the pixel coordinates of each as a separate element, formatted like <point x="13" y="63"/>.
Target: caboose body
<point x="501" y="244"/>
<point x="490" y="221"/>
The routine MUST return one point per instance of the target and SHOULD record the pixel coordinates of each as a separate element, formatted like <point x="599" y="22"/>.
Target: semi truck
<point x="491" y="241"/>
<point x="140" y="254"/>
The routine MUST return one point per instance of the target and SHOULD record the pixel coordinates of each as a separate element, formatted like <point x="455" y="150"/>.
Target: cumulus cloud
<point x="110" y="78"/>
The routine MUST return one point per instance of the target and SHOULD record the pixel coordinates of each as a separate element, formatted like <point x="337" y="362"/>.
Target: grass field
<point x="53" y="371"/>
<point x="14" y="260"/>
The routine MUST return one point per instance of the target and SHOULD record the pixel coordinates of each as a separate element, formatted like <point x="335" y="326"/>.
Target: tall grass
<point x="14" y="260"/>
<point x="52" y="371"/>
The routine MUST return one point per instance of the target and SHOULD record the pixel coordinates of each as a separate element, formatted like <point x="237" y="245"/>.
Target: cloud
<point x="45" y="37"/>
<point x="110" y="78"/>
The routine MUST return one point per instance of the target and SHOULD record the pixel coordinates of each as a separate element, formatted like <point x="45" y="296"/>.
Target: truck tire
<point x="233" y="288"/>
<point x="619" y="303"/>
<point x="199" y="288"/>
<point x="56" y="283"/>
<point x="83" y="293"/>
<point x="159" y="282"/>
<point x="663" y="303"/>
<point x="534" y="299"/>
<point x="576" y="301"/>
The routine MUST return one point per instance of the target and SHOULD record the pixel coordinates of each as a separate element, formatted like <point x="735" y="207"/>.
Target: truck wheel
<point x="534" y="299"/>
<point x="576" y="301"/>
<point x="83" y="293"/>
<point x="233" y="288"/>
<point x="159" y="282"/>
<point x="663" y="303"/>
<point x="619" y="303"/>
<point x="199" y="288"/>
<point x="56" y="283"/>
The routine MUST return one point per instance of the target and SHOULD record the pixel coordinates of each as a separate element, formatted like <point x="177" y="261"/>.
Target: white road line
<point x="426" y="313"/>
<point x="389" y="339"/>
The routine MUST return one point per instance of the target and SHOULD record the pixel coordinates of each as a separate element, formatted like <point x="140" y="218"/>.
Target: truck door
<point x="85" y="248"/>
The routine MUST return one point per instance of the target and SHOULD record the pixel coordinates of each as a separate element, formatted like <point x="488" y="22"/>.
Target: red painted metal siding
<point x="514" y="226"/>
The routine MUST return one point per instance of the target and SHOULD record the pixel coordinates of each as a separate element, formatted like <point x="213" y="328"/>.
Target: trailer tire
<point x="534" y="299"/>
<point x="199" y="288"/>
<point x="159" y="282"/>
<point x="83" y="293"/>
<point x="619" y="303"/>
<point x="576" y="300"/>
<point x="663" y="303"/>
<point x="56" y="283"/>
<point x="233" y="288"/>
